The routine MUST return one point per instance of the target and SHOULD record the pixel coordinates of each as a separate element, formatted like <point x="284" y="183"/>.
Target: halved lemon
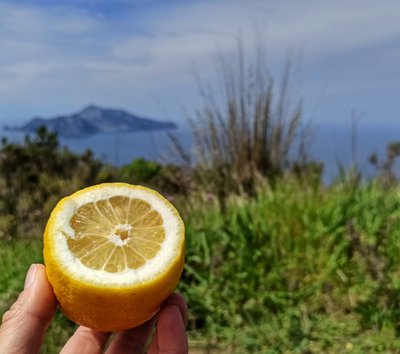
<point x="113" y="253"/>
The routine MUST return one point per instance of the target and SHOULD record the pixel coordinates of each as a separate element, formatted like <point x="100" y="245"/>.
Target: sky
<point x="58" y="56"/>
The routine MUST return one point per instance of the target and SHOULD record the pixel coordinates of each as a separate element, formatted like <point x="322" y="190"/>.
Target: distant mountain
<point x="93" y="119"/>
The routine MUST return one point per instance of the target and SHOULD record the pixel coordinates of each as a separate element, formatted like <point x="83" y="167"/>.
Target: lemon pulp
<point x="116" y="234"/>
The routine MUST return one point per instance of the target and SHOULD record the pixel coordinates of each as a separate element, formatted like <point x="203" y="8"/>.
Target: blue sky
<point x="58" y="56"/>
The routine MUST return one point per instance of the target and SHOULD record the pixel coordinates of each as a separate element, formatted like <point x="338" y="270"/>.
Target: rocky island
<point x="93" y="120"/>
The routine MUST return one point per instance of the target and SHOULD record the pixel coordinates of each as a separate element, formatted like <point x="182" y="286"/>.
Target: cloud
<point x="82" y="51"/>
<point x="325" y="28"/>
<point x="336" y="27"/>
<point x="37" y="42"/>
<point x="31" y="21"/>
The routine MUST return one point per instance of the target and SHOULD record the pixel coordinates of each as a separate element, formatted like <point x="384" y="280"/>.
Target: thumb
<point x="24" y="324"/>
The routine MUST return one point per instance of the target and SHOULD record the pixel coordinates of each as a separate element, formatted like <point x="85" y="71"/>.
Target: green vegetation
<point x="34" y="175"/>
<point x="247" y="129"/>
<point x="295" y="269"/>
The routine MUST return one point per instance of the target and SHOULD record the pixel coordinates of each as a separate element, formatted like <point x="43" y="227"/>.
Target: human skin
<point x="25" y="323"/>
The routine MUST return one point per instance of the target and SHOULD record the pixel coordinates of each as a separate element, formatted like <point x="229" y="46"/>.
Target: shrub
<point x="247" y="127"/>
<point x="140" y="170"/>
<point x="34" y="175"/>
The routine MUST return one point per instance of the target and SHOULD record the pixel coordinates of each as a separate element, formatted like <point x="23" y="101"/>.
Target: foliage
<point x="295" y="269"/>
<point x="248" y="126"/>
<point x="387" y="167"/>
<point x="16" y="256"/>
<point x="167" y="178"/>
<point x="140" y="170"/>
<point x="34" y="175"/>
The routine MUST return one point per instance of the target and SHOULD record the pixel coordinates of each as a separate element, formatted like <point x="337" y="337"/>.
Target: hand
<point x="24" y="325"/>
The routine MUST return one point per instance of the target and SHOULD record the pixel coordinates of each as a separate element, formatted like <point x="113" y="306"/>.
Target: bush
<point x="247" y="128"/>
<point x="34" y="175"/>
<point x="140" y="170"/>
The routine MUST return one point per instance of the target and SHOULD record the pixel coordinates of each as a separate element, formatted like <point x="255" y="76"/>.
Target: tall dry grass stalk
<point x="248" y="124"/>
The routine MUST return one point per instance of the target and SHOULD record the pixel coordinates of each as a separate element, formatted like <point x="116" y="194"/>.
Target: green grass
<point x="15" y="258"/>
<point x="295" y="269"/>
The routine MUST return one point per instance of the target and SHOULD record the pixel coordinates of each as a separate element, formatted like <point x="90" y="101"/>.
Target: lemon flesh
<point x="115" y="234"/>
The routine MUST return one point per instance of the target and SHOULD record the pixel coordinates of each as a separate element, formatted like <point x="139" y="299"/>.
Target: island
<point x="93" y="120"/>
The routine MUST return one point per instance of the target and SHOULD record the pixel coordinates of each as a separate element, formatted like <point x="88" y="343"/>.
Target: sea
<point x="335" y="145"/>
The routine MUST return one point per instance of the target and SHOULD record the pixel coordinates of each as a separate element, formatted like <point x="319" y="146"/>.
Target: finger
<point x="86" y="340"/>
<point x="170" y="335"/>
<point x="133" y="341"/>
<point x="177" y="300"/>
<point x="24" y="324"/>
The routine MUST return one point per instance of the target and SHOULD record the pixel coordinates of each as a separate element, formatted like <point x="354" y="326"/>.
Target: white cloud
<point x="71" y="54"/>
<point x="30" y="21"/>
<point x="325" y="27"/>
<point x="337" y="26"/>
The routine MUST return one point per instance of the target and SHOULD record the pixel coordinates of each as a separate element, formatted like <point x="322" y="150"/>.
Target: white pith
<point x="170" y="247"/>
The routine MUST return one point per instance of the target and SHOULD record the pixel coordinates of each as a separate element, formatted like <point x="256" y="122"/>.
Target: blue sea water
<point x="121" y="148"/>
<point x="332" y="144"/>
<point x="341" y="145"/>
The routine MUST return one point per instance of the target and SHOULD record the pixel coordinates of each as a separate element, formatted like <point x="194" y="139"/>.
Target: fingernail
<point x="30" y="276"/>
<point x="180" y="312"/>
